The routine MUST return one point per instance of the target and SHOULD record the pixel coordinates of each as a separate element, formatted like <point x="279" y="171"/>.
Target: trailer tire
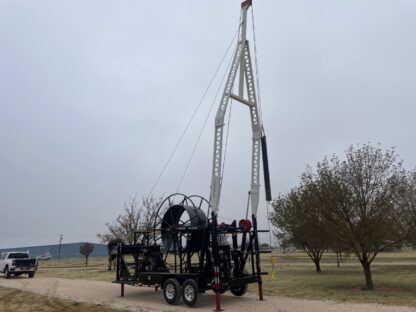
<point x="31" y="274"/>
<point x="190" y="292"/>
<point x="239" y="291"/>
<point x="172" y="291"/>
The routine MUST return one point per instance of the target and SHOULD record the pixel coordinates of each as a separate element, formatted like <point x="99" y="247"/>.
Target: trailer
<point x="179" y="255"/>
<point x="185" y="252"/>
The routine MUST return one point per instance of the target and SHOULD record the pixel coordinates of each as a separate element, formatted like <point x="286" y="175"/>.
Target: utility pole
<point x="60" y="243"/>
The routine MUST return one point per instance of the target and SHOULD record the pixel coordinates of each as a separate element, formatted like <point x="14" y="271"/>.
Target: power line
<point x="205" y="123"/>
<point x="193" y="115"/>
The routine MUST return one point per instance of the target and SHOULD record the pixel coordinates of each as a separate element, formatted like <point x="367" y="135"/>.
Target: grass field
<point x="394" y="276"/>
<point x="23" y="301"/>
<point x="75" y="269"/>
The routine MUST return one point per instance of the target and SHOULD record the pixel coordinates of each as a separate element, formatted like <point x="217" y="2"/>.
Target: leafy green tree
<point x="300" y="220"/>
<point x="409" y="211"/>
<point x="412" y="209"/>
<point x="361" y="195"/>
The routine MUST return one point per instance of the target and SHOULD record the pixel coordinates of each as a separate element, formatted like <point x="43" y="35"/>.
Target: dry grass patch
<point x="75" y="269"/>
<point x="24" y="301"/>
<point x="76" y="263"/>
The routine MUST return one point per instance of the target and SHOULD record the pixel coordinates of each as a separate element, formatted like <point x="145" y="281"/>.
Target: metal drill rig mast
<point x="242" y="63"/>
<point x="180" y="252"/>
<point x="241" y="66"/>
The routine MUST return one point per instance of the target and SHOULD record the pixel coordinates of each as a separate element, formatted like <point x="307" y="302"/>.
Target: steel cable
<point x="192" y="117"/>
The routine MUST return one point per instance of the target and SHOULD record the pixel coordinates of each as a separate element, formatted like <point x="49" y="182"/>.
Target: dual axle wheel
<point x="173" y="292"/>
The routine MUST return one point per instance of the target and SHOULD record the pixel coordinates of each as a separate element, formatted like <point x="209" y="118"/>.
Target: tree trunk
<point x="317" y="265"/>
<point x="86" y="261"/>
<point x="368" y="278"/>
<point x="337" y="259"/>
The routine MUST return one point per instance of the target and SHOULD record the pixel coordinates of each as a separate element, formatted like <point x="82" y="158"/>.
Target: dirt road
<point x="147" y="300"/>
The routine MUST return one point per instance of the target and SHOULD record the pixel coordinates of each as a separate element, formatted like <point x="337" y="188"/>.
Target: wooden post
<point x="122" y="290"/>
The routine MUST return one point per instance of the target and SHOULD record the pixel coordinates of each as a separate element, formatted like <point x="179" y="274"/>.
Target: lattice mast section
<point x="242" y="65"/>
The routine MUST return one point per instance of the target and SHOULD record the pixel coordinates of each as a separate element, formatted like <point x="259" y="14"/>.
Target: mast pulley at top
<point x="241" y="64"/>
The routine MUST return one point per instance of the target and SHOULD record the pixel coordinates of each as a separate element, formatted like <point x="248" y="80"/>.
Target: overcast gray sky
<point x="95" y="94"/>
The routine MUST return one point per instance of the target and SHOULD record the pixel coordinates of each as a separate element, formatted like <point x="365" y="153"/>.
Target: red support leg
<point x="260" y="282"/>
<point x="217" y="302"/>
<point x="217" y="290"/>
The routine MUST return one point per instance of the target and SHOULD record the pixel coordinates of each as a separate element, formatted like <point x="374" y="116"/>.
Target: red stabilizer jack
<point x="217" y="302"/>
<point x="261" y="290"/>
<point x="217" y="290"/>
<point x="246" y="3"/>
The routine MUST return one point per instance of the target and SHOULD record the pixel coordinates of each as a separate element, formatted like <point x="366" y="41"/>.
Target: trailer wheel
<point x="172" y="291"/>
<point x="239" y="291"/>
<point x="31" y="274"/>
<point x="7" y="273"/>
<point x="190" y="292"/>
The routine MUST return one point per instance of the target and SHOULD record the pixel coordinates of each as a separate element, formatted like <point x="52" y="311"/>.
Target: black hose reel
<point x="182" y="228"/>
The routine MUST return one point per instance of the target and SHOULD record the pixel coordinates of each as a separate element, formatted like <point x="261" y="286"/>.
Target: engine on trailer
<point x="151" y="260"/>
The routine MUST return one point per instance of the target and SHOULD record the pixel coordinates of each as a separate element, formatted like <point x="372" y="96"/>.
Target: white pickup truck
<point x="18" y="263"/>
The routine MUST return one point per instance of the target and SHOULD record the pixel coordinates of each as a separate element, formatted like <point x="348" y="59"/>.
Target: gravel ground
<point x="147" y="299"/>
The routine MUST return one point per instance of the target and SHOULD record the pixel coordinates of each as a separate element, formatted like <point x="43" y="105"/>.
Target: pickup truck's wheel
<point x="6" y="273"/>
<point x="172" y="291"/>
<point x="190" y="293"/>
<point x="239" y="291"/>
<point x="31" y="274"/>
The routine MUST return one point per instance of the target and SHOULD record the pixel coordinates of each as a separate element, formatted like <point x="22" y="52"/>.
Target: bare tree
<point x="86" y="249"/>
<point x="283" y="239"/>
<point x="338" y="247"/>
<point x="136" y="216"/>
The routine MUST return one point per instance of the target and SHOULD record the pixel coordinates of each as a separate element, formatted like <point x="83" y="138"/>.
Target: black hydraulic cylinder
<point x="257" y="252"/>
<point x="118" y="262"/>
<point x="266" y="169"/>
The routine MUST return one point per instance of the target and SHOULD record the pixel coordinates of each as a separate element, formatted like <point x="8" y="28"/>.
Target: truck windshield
<point x="18" y="255"/>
